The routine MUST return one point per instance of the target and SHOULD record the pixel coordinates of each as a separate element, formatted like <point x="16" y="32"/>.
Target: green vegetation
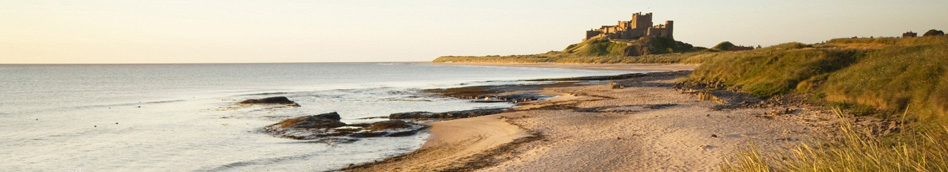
<point x="881" y="76"/>
<point x="855" y="150"/>
<point x="597" y="47"/>
<point x="912" y="74"/>
<point x="723" y="46"/>
<point x="771" y="71"/>
<point x="888" y="74"/>
<point x="934" y="32"/>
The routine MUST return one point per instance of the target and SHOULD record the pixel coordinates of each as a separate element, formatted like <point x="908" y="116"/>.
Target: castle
<point x="639" y="26"/>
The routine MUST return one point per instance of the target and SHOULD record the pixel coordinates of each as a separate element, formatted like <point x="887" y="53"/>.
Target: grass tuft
<point x="855" y="150"/>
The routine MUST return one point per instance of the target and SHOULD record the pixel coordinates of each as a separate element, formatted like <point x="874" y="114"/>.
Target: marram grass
<point x="884" y="74"/>
<point x="856" y="150"/>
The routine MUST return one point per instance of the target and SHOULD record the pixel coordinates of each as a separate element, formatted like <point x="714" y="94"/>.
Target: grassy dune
<point x="773" y="70"/>
<point x="890" y="75"/>
<point x="909" y="74"/>
<point x="898" y="79"/>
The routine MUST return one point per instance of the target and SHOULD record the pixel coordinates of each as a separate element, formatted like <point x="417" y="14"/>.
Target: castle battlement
<point x="639" y="26"/>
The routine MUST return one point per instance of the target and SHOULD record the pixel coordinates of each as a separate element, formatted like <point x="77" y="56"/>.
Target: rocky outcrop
<point x="512" y="98"/>
<point x="596" y="78"/>
<point x="388" y="125"/>
<point x="271" y="100"/>
<point x="637" y="50"/>
<point x="616" y="85"/>
<point x="421" y="115"/>
<point x="329" y="126"/>
<point x="488" y="94"/>
<point x="327" y="120"/>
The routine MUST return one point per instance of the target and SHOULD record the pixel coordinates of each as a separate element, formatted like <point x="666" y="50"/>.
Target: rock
<point x="615" y="85"/>
<point x="271" y="100"/>
<point x="327" y="120"/>
<point x="390" y="128"/>
<point x="446" y="115"/>
<point x="512" y="98"/>
<point x="498" y="93"/>
<point x="327" y="126"/>
<point x="659" y="106"/>
<point x="390" y="124"/>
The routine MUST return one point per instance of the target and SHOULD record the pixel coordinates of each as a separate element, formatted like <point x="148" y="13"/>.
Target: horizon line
<point x="164" y="63"/>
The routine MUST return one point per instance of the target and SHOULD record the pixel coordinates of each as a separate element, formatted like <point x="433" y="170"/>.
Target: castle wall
<point x="669" y="29"/>
<point x="591" y="33"/>
<point x="909" y="34"/>
<point x="644" y="21"/>
<point x="639" y="26"/>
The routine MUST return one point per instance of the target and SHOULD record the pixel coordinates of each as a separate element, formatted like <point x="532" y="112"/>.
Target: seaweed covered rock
<point x="328" y="126"/>
<point x="390" y="124"/>
<point x="326" y="120"/>
<point x="271" y="100"/>
<point x="446" y="115"/>
<point x="390" y="128"/>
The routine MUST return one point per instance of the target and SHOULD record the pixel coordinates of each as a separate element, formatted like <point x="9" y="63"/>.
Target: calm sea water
<point x="180" y="117"/>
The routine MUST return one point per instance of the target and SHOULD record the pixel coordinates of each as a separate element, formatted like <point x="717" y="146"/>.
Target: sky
<point x="268" y="31"/>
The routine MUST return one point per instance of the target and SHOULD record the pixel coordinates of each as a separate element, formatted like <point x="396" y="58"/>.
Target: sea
<point x="185" y="117"/>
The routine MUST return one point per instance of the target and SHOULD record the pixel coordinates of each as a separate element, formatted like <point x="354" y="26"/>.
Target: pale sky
<point x="248" y="31"/>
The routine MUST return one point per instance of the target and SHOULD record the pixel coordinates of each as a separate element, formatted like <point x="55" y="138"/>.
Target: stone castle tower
<point x="639" y="26"/>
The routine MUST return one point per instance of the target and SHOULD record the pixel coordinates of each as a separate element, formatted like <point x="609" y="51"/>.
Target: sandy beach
<point x="647" y="125"/>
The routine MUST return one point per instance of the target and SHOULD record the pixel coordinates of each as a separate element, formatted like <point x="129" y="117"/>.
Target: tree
<point x="934" y="32"/>
<point x="724" y="46"/>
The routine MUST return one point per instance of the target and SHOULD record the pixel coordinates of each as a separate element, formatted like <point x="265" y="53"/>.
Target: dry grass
<point x="885" y="79"/>
<point x="881" y="76"/>
<point x="908" y="72"/>
<point x="856" y="150"/>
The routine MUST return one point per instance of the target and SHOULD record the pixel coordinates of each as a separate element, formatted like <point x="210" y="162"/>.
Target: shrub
<point x="934" y="32"/>
<point x="723" y="46"/>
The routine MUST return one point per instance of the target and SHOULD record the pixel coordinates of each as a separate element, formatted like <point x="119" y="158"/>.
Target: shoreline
<point x="552" y="134"/>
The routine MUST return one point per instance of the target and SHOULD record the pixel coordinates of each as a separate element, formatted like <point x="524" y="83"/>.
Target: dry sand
<point x="646" y="126"/>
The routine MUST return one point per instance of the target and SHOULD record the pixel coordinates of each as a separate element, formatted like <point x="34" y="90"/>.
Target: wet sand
<point x="646" y="126"/>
